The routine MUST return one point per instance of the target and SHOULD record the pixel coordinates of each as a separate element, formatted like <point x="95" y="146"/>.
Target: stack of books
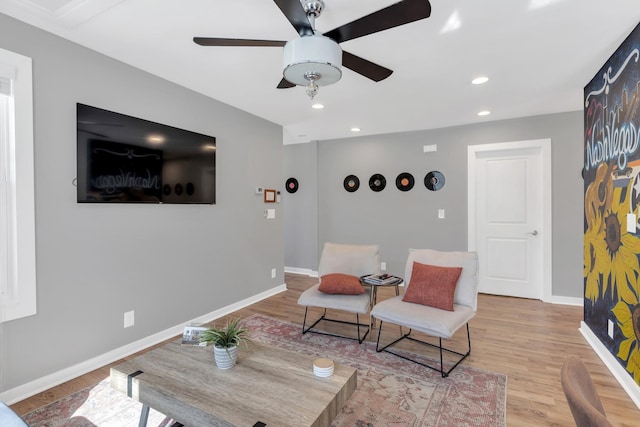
<point x="381" y="279"/>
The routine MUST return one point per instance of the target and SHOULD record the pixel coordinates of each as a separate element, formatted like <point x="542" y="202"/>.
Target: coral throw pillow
<point x="432" y="285"/>
<point x="338" y="283"/>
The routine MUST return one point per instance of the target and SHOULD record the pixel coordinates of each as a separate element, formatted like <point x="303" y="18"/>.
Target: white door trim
<point x="545" y="180"/>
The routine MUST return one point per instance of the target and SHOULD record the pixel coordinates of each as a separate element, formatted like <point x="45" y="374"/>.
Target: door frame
<point x="544" y="145"/>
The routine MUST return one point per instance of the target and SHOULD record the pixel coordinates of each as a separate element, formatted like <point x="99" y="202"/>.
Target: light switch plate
<point x="441" y="213"/>
<point x="129" y="319"/>
<point x="271" y="213"/>
<point x="430" y="148"/>
<point x="631" y="223"/>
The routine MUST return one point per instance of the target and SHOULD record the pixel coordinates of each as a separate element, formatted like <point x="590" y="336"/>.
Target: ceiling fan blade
<point x="365" y="68"/>
<point x="397" y="14"/>
<point x="285" y="84"/>
<point x="295" y="13"/>
<point x="212" y="41"/>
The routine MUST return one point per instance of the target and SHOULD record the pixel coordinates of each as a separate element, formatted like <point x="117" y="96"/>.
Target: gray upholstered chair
<point x="354" y="260"/>
<point x="581" y="394"/>
<point x="432" y="321"/>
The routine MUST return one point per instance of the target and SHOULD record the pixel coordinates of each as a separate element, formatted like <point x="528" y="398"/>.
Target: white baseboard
<point x="305" y="271"/>
<point x="620" y="374"/>
<point x="567" y="300"/>
<point x="29" y="389"/>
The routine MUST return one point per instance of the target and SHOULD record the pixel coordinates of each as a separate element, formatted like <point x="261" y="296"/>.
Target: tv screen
<point x="124" y="159"/>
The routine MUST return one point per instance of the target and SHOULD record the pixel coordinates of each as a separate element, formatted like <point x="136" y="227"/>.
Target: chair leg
<point x="439" y="347"/>
<point x="304" y="321"/>
<point x="324" y="317"/>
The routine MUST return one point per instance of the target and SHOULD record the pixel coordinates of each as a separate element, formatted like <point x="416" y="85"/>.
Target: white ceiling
<point x="538" y="54"/>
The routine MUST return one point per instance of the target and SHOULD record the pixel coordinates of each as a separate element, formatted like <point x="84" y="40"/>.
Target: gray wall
<point x="400" y="220"/>
<point x="301" y="207"/>
<point x="169" y="263"/>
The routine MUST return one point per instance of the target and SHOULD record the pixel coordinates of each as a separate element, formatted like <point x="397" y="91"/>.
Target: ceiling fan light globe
<point x="311" y="89"/>
<point x="312" y="54"/>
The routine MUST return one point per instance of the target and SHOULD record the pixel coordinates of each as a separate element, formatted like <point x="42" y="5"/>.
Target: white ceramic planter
<point x="225" y="357"/>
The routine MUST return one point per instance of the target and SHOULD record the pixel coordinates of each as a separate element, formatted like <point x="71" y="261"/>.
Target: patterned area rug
<point x="391" y="391"/>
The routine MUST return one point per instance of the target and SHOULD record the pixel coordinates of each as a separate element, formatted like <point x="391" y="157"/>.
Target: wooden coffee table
<point x="269" y="386"/>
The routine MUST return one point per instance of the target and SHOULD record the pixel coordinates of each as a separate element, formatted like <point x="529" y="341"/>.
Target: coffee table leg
<point x="144" y="415"/>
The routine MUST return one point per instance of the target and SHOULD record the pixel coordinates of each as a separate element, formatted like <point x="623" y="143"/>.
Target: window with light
<point x="17" y="207"/>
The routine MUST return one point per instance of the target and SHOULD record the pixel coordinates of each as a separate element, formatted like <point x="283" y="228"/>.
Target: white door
<point x="510" y="217"/>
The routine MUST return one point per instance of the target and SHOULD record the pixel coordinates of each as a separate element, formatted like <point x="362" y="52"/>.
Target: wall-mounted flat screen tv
<point x="124" y="159"/>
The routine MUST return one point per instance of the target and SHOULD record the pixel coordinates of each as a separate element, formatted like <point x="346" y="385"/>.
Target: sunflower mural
<point x="611" y="205"/>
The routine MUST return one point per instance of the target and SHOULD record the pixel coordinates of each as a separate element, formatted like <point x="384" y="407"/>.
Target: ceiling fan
<point x="315" y="59"/>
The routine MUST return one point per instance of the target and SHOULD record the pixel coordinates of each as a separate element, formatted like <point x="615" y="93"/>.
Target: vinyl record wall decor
<point x="434" y="180"/>
<point x="351" y="183"/>
<point x="405" y="181"/>
<point x="377" y="182"/>
<point x="291" y="185"/>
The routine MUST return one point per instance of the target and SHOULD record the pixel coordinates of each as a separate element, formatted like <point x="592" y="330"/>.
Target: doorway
<point x="509" y="214"/>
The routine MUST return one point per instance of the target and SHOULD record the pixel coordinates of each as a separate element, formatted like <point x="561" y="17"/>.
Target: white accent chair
<point x="429" y="320"/>
<point x="355" y="260"/>
<point x="8" y="418"/>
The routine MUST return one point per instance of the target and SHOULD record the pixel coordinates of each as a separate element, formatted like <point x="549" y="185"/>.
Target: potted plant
<point x="225" y="342"/>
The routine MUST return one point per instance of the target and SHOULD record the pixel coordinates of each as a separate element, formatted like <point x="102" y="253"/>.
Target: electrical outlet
<point x="273" y="273"/>
<point x="610" y="328"/>
<point x="383" y="266"/>
<point x="441" y="213"/>
<point x="129" y="319"/>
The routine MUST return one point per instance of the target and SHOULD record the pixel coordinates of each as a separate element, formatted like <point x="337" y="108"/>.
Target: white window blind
<point x="5" y="86"/>
<point x="17" y="207"/>
<point x="8" y="238"/>
<point x="7" y="74"/>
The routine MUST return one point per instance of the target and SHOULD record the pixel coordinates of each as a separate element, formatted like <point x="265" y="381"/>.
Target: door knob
<point x="534" y="233"/>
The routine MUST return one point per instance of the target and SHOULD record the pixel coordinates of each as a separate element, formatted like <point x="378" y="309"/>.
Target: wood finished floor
<point x="525" y="339"/>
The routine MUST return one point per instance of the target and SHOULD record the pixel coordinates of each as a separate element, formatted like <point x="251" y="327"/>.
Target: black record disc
<point x="166" y="189"/>
<point x="178" y="189"/>
<point x="405" y="181"/>
<point x="434" y="180"/>
<point x="377" y="182"/>
<point x="291" y="185"/>
<point x="190" y="188"/>
<point x="351" y="183"/>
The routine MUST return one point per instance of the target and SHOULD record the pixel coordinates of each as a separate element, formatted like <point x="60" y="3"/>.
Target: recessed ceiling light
<point x="538" y="4"/>
<point x="484" y="113"/>
<point x="355" y="129"/>
<point x="480" y="80"/>
<point x="317" y="106"/>
<point x="155" y="139"/>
